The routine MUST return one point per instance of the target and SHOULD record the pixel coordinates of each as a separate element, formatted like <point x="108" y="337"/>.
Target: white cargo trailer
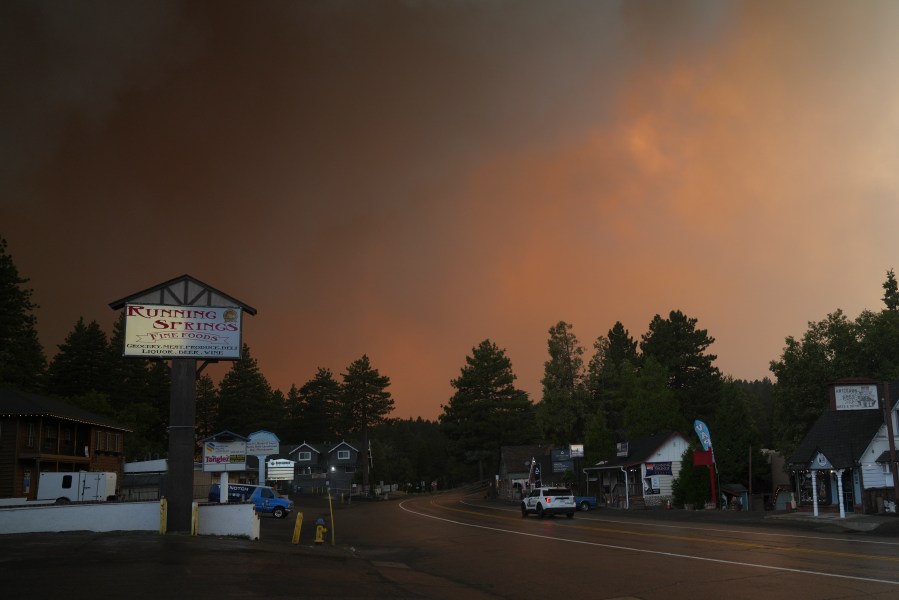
<point x="80" y="486"/>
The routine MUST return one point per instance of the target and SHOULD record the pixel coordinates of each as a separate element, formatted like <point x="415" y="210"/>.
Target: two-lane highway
<point x="486" y="547"/>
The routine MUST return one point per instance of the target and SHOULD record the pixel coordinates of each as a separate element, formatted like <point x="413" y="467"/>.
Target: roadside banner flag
<point x="702" y="430"/>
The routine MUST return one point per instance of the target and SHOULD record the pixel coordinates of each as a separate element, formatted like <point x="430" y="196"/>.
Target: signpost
<point x="260" y="445"/>
<point x="224" y="452"/>
<point x="183" y="320"/>
<point x="707" y="456"/>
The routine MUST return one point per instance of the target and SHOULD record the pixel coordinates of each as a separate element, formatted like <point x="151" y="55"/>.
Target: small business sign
<point x="201" y="332"/>
<point x="577" y="450"/>
<point x="658" y="468"/>
<point x="855" y="397"/>
<point x="279" y="469"/>
<point x="263" y="443"/>
<point x="562" y="466"/>
<point x="560" y="454"/>
<point x="224" y="456"/>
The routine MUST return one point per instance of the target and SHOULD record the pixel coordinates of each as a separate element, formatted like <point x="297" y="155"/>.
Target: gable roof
<point x="323" y="448"/>
<point x="840" y="435"/>
<point x="638" y="451"/>
<point x="344" y="443"/>
<point x="184" y="290"/>
<point x="317" y="448"/>
<point x="14" y="403"/>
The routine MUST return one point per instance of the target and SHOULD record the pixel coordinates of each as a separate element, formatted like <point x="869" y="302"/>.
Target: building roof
<point x="322" y="448"/>
<point x="638" y="451"/>
<point x="14" y="403"/>
<point x="183" y="290"/>
<point x="840" y="435"/>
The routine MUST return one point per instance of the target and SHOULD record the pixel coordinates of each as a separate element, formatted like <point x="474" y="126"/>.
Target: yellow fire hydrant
<point x="320" y="531"/>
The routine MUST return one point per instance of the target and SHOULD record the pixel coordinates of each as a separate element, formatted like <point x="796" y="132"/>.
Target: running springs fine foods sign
<point x="202" y="332"/>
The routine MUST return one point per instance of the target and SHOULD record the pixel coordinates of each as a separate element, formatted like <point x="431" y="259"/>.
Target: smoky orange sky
<point x="407" y="179"/>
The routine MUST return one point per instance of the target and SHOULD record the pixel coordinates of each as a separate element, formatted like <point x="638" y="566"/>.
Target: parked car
<point x="586" y="503"/>
<point x="549" y="501"/>
<point x="264" y="498"/>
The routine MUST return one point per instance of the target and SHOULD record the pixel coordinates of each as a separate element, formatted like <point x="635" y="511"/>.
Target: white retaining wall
<point x="214" y="519"/>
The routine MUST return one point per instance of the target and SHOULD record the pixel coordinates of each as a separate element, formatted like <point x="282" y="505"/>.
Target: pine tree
<point x="562" y="411"/>
<point x="651" y="405"/>
<point x="680" y="348"/>
<point x="614" y="355"/>
<point x="207" y="406"/>
<point x="365" y="402"/>
<point x="139" y="395"/>
<point x="22" y="359"/>
<point x="314" y="407"/>
<point x="891" y="292"/>
<point x="245" y="397"/>
<point x="487" y="411"/>
<point x="82" y="365"/>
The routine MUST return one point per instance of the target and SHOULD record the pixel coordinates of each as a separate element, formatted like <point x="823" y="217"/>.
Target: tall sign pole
<point x="182" y="416"/>
<point x="705" y="438"/>
<point x="182" y="320"/>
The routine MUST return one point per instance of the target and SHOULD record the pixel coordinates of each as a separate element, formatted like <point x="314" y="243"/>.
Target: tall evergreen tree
<point x="680" y="348"/>
<point x="138" y="397"/>
<point x="245" y="397"/>
<point x="82" y="365"/>
<point x="891" y="292"/>
<point x="561" y="413"/>
<point x="314" y="408"/>
<point x="365" y="402"/>
<point x="487" y="411"/>
<point x="614" y="356"/>
<point x="22" y="360"/>
<point x="207" y="407"/>
<point x="651" y="405"/>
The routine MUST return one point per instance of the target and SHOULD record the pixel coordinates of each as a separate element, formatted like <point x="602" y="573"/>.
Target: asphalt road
<point x="460" y="545"/>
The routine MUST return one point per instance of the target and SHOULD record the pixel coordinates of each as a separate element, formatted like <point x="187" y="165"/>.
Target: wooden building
<point x="642" y="472"/>
<point x="41" y="434"/>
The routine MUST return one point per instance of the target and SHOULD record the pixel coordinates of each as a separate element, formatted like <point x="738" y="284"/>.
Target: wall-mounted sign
<point x="577" y="450"/>
<point x="225" y="456"/>
<point x="658" y="468"/>
<point x="202" y="332"/>
<point x="855" y="397"/>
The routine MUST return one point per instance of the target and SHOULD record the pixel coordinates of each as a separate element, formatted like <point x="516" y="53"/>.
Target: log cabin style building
<point x="41" y="434"/>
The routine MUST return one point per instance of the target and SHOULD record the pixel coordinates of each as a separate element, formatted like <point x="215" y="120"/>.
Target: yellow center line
<point x="683" y="538"/>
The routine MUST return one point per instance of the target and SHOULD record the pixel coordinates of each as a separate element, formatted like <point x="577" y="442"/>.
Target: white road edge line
<point x="656" y="552"/>
<point x="713" y="529"/>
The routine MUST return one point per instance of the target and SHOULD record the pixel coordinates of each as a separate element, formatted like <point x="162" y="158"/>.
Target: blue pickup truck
<point x="586" y="503"/>
<point x="264" y="498"/>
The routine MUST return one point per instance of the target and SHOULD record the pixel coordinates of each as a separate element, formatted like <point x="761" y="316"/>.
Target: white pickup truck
<point x="549" y="501"/>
